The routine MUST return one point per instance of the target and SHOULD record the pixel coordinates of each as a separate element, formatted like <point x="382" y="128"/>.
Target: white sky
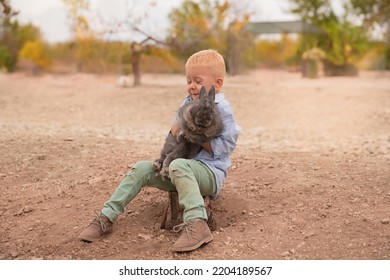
<point x="51" y="17"/>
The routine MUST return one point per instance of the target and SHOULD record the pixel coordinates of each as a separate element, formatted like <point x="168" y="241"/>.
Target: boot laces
<point x="188" y="227"/>
<point x="98" y="220"/>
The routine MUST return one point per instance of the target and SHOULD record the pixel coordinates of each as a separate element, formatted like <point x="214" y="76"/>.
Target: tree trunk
<point x="136" y="50"/>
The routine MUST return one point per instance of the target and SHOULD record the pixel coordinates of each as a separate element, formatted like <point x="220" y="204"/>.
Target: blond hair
<point x="210" y="59"/>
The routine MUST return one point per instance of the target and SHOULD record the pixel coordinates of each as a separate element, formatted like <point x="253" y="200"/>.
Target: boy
<point x="191" y="178"/>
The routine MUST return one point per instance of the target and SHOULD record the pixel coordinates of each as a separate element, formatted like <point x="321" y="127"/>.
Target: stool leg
<point x="173" y="214"/>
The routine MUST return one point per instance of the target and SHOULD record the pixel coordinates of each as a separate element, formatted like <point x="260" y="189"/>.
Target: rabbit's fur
<point x="199" y="122"/>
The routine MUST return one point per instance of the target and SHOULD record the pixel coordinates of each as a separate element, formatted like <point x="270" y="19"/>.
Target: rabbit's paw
<point x="157" y="165"/>
<point x="164" y="172"/>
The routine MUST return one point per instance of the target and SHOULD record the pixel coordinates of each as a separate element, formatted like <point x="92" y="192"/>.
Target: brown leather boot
<point x="97" y="229"/>
<point x="195" y="233"/>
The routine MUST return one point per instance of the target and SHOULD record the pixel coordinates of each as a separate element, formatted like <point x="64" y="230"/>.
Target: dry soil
<point x="310" y="177"/>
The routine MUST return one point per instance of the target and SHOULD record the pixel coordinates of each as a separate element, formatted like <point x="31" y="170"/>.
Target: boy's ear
<point x="218" y="84"/>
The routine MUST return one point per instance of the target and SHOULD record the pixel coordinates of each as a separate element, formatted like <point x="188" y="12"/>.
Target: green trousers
<point x="190" y="178"/>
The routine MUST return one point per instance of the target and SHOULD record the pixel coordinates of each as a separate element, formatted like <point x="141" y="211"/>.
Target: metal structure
<point x="270" y="27"/>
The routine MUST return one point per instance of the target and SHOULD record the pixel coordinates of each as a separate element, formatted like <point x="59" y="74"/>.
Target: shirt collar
<point x="219" y="97"/>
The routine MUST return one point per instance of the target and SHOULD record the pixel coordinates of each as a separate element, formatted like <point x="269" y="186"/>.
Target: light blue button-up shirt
<point x="219" y="160"/>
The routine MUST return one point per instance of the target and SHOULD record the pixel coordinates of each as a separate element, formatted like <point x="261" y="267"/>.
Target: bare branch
<point x="7" y="9"/>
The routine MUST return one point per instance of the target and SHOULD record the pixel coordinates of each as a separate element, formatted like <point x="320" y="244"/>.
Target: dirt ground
<point x="310" y="177"/>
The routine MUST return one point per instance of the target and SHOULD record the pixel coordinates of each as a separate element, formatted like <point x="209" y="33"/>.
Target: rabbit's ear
<point x="202" y="92"/>
<point x="211" y="93"/>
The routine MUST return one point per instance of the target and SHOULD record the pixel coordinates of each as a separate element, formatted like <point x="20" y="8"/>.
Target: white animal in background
<point x="124" y="81"/>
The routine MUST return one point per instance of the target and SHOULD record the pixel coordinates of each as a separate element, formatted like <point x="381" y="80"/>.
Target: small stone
<point x="385" y="221"/>
<point x="286" y="254"/>
<point x="144" y="236"/>
<point x="27" y="209"/>
<point x="41" y="157"/>
<point x="310" y="234"/>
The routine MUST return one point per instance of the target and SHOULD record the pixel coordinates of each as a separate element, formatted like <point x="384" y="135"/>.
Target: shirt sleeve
<point x="224" y="144"/>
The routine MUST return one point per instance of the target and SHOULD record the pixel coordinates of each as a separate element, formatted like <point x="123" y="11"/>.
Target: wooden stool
<point x="174" y="213"/>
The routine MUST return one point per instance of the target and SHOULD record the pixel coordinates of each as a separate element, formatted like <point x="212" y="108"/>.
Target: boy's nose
<point x="192" y="85"/>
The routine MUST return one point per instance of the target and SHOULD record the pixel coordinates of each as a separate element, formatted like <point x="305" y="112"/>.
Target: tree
<point x="7" y="58"/>
<point x="375" y="12"/>
<point x="205" y="24"/>
<point x="34" y="51"/>
<point x="83" y="36"/>
<point x="76" y="10"/>
<point x="7" y="9"/>
<point x="372" y="11"/>
<point x="12" y="38"/>
<point x="191" y="27"/>
<point x="136" y="50"/>
<point x="238" y="39"/>
<point x="195" y="25"/>
<point x="341" y="41"/>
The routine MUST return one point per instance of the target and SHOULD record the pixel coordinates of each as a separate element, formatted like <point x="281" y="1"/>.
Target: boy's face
<point x="198" y="77"/>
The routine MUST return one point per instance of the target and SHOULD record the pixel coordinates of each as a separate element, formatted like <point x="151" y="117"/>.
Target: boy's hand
<point x="174" y="130"/>
<point x="207" y="147"/>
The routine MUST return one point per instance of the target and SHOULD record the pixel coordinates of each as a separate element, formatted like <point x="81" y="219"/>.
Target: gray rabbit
<point x="199" y="122"/>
